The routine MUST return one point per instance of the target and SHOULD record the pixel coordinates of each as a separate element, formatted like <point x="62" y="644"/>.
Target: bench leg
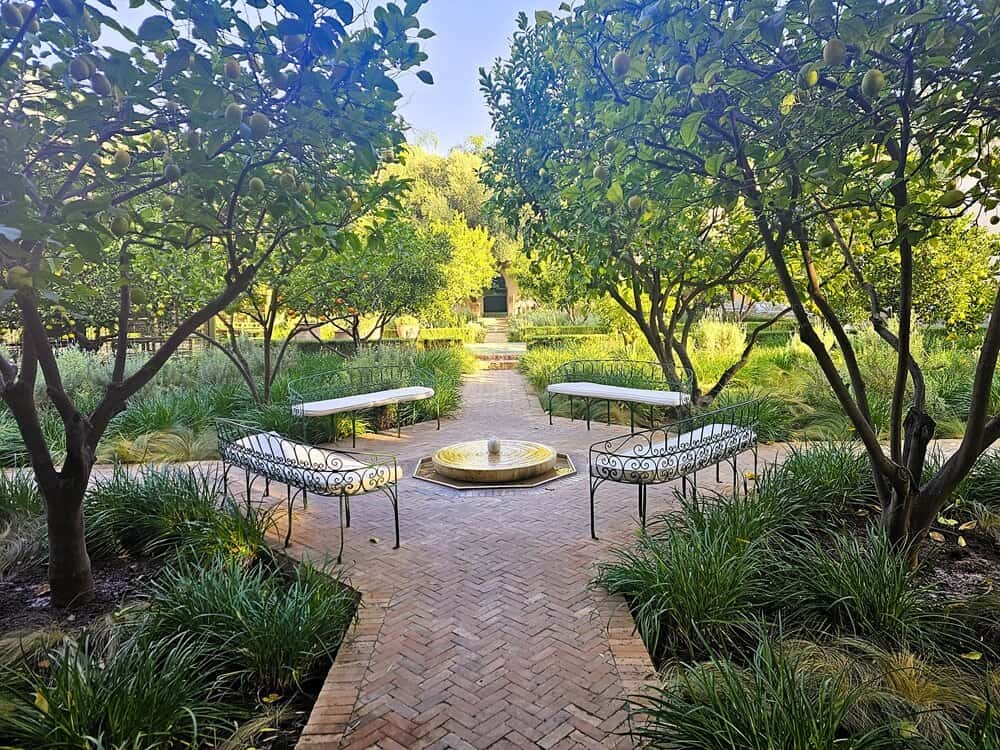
<point x="394" y="499"/>
<point x="642" y="505"/>
<point x="550" y="410"/>
<point x="631" y="417"/>
<point x="267" y="486"/>
<point x="609" y="413"/>
<point x="587" y="402"/>
<point x="340" y="552"/>
<point x="354" y="430"/>
<point x="347" y="505"/>
<point x="572" y="414"/>
<point x="246" y="477"/>
<point x="593" y="490"/>
<point x="288" y="532"/>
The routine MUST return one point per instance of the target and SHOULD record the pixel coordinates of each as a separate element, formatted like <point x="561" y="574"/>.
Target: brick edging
<point x="331" y="714"/>
<point x="636" y="672"/>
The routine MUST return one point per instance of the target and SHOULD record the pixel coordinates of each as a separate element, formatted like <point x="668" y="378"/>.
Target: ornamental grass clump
<point x="763" y="702"/>
<point x="115" y="691"/>
<point x="864" y="587"/>
<point x="695" y="583"/>
<point x="269" y="631"/>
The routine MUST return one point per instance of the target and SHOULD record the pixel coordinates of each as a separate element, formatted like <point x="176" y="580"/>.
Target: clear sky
<point x="470" y="34"/>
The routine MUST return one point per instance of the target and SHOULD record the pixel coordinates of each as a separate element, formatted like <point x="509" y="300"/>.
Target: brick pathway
<point x="481" y="631"/>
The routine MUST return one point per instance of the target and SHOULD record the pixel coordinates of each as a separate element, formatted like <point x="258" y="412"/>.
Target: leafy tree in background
<point x="803" y="114"/>
<point x="446" y="193"/>
<point x="397" y="269"/>
<point x="194" y="143"/>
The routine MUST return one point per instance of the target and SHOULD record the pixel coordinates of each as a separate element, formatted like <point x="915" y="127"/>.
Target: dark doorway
<point x="495" y="299"/>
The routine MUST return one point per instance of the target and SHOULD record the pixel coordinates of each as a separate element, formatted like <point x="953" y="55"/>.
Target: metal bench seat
<point x="307" y="468"/>
<point x="619" y="381"/>
<point x="677" y="451"/>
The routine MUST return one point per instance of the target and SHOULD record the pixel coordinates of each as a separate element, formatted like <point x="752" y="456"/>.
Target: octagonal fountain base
<point x="473" y="465"/>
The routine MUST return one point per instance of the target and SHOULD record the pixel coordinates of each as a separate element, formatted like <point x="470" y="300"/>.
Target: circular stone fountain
<point x="508" y="461"/>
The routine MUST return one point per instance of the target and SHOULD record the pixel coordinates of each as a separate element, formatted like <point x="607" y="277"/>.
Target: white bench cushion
<point x="620" y="393"/>
<point x="362" y="401"/>
<point x="314" y="469"/>
<point x="642" y="463"/>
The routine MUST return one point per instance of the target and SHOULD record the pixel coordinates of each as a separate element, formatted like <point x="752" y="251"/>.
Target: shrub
<point x="158" y="511"/>
<point x="693" y="585"/>
<point x="821" y="480"/>
<point x="268" y="631"/>
<point x="772" y="702"/>
<point x="118" y="692"/>
<point x="864" y="587"/>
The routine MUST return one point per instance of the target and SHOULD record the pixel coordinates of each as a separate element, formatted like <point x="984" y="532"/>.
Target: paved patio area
<point x="481" y="631"/>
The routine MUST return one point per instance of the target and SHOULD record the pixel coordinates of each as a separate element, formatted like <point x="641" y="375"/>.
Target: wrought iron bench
<point x="307" y="469"/>
<point x="677" y="451"/>
<point x="358" y="389"/>
<point x="618" y="380"/>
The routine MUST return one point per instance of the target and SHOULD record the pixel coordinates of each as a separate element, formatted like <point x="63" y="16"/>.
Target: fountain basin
<point x="472" y="461"/>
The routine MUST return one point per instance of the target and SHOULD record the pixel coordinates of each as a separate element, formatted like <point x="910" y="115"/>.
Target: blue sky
<point x="470" y="34"/>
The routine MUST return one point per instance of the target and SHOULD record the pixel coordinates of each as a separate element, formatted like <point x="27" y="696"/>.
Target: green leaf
<point x="713" y="164"/>
<point x="87" y="243"/>
<point x="156" y="29"/>
<point x="426" y="77"/>
<point x="689" y="127"/>
<point x="425" y="34"/>
<point x="543" y="17"/>
<point x="615" y="193"/>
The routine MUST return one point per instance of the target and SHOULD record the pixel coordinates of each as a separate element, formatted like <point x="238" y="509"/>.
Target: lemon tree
<point x="206" y="132"/>
<point x="802" y="114"/>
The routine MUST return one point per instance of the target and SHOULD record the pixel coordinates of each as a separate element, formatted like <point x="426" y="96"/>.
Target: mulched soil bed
<point x="25" y="601"/>
<point x="963" y="571"/>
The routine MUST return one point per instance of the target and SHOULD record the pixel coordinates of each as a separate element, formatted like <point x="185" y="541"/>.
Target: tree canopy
<point x="801" y="114"/>
<point x="218" y="135"/>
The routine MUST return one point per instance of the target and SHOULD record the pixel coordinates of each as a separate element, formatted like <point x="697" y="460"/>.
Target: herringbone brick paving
<point x="482" y="630"/>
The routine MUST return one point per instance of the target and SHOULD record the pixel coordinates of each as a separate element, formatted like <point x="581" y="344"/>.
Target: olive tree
<point x="803" y="114"/>
<point x="191" y="143"/>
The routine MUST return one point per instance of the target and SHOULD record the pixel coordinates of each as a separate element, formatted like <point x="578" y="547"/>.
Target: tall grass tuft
<point x="866" y="588"/>
<point x="271" y="632"/>
<point x="770" y="703"/>
<point x="118" y="692"/>
<point x="695" y="584"/>
<point x="160" y="511"/>
<point x="822" y="480"/>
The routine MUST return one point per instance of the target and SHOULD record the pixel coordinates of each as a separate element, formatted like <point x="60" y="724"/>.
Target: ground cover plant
<point x="785" y="617"/>
<point x="172" y="419"/>
<point x="220" y="643"/>
<point x="797" y="403"/>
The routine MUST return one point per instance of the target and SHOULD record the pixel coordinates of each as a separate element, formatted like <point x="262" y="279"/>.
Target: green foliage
<point x="118" y="692"/>
<point x="694" y="584"/>
<point x="864" y="587"/>
<point x="826" y="479"/>
<point x="271" y="632"/>
<point x="771" y="702"/>
<point x="159" y="511"/>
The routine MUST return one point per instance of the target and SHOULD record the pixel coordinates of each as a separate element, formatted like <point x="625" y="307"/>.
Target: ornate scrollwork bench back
<point x="676" y="451"/>
<point x="305" y="469"/>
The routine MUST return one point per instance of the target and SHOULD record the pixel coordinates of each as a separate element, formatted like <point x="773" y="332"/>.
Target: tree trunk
<point x="71" y="580"/>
